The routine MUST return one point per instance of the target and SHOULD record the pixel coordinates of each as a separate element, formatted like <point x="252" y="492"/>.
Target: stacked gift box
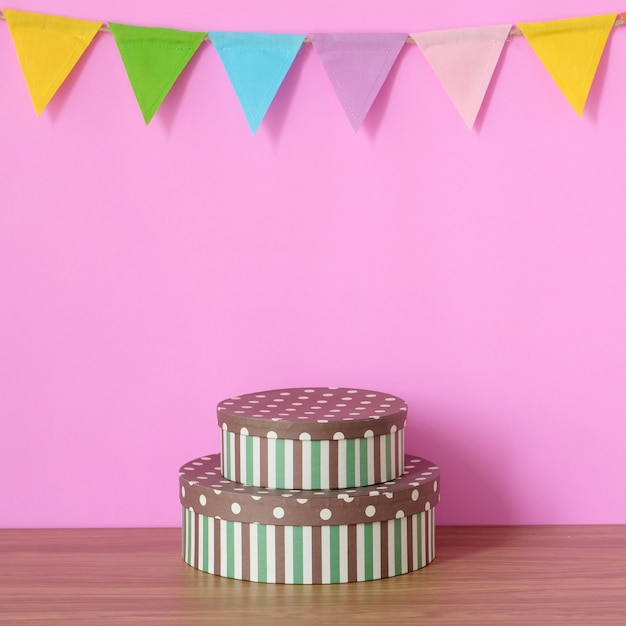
<point x="312" y="486"/>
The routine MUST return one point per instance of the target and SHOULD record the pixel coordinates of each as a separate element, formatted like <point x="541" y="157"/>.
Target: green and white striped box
<point x="312" y="438"/>
<point x="308" y="536"/>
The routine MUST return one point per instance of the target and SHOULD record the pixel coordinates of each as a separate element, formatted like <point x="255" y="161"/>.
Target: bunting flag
<point x="464" y="60"/>
<point x="154" y="58"/>
<point x="570" y="50"/>
<point x="48" y="47"/>
<point x="256" y="64"/>
<point x="357" y="65"/>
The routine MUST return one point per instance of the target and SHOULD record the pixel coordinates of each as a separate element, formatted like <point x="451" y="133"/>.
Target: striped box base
<point x="317" y="464"/>
<point x="308" y="554"/>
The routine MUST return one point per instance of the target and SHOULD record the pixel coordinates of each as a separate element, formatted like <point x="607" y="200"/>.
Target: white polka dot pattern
<point x="313" y="413"/>
<point x="417" y="490"/>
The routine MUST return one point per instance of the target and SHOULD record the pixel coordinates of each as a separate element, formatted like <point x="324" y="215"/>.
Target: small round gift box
<point x="312" y="438"/>
<point x="308" y="536"/>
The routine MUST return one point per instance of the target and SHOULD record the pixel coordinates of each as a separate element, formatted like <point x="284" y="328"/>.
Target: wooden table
<point x="481" y="575"/>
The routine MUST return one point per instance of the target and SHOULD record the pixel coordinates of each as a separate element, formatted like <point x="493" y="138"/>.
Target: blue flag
<point x="257" y="64"/>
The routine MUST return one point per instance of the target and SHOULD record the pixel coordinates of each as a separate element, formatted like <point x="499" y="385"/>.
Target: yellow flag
<point x="571" y="50"/>
<point x="48" y="47"/>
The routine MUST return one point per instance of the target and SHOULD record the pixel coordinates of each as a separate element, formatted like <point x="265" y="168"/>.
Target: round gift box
<point x="312" y="438"/>
<point x="308" y="537"/>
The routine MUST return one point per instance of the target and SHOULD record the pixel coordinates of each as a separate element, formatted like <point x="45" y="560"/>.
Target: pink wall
<point x="148" y="272"/>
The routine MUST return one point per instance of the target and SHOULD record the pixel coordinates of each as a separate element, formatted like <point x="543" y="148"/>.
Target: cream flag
<point x="464" y="60"/>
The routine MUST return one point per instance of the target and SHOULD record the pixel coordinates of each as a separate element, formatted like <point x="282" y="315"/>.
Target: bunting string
<point x="105" y="28"/>
<point x="357" y="64"/>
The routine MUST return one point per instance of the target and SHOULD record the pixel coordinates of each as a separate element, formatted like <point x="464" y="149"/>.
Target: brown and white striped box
<point x="303" y="536"/>
<point x="312" y="438"/>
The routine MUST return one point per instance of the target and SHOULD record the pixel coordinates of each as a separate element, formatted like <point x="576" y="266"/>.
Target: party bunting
<point x="256" y="64"/>
<point x="570" y="50"/>
<point x="357" y="65"/>
<point x="154" y="59"/>
<point x="48" y="47"/>
<point x="464" y="60"/>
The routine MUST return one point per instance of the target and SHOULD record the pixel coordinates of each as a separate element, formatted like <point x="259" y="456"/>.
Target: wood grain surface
<point x="481" y="575"/>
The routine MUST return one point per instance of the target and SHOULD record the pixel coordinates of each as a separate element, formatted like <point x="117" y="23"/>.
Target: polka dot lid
<point x="313" y="413"/>
<point x="204" y="490"/>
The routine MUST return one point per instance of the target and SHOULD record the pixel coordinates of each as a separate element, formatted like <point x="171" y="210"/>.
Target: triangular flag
<point x="464" y="60"/>
<point x="571" y="50"/>
<point x="256" y="64"/>
<point x="357" y="65"/>
<point x="154" y="58"/>
<point x="48" y="47"/>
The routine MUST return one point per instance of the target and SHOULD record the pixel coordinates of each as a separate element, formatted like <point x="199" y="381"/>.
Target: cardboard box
<point x="308" y="536"/>
<point x="312" y="438"/>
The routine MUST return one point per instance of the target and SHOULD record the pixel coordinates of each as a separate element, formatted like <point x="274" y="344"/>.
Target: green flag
<point x="154" y="59"/>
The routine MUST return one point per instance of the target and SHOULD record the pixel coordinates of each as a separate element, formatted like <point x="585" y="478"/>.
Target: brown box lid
<point x="205" y="491"/>
<point x="313" y="413"/>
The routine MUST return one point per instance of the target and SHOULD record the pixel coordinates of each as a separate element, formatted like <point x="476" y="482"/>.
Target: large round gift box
<point x="312" y="438"/>
<point x="305" y="536"/>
